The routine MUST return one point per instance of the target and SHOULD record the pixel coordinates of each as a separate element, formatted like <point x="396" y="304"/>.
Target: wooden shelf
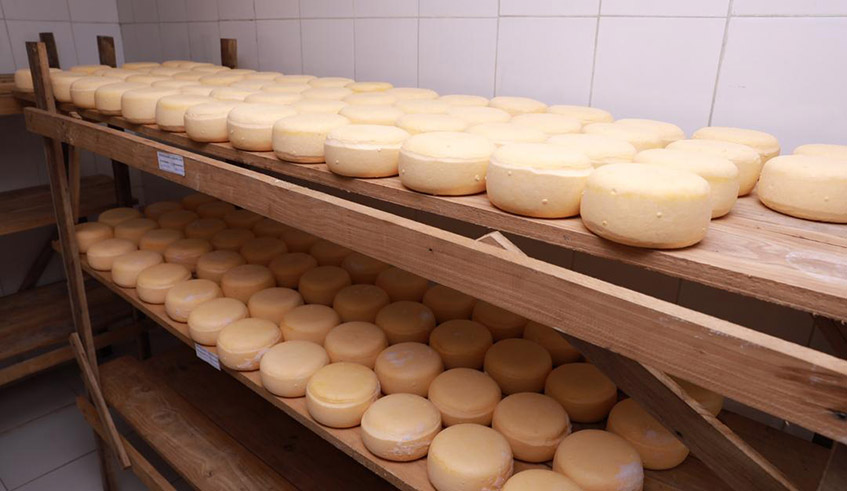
<point x="10" y="103"/>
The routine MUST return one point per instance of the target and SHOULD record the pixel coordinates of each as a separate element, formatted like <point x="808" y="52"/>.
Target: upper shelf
<point x="9" y="102"/>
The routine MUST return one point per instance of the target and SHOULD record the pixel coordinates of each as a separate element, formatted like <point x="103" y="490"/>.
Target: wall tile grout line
<point x="594" y="58"/>
<point x="353" y="2"/>
<point x="21" y="425"/>
<point x="720" y="61"/>
<point x="300" y="20"/>
<point x="496" y="49"/>
<point x="55" y="469"/>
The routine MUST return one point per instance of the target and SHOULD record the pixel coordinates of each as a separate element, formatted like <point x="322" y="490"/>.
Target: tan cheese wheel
<point x="115" y="216"/>
<point x="242" y="343"/>
<point x="187" y="295"/>
<point x="90" y="233"/>
<point x="503" y="133"/>
<point x="295" y="79"/>
<point x="214" y="209"/>
<point x="148" y="80"/>
<point x="597" y="460"/>
<point x="647" y="205"/>
<point x="360" y="302"/>
<point x="208" y="122"/>
<point x="427" y="123"/>
<point x="402" y="285"/>
<point x="518" y="365"/>
<point x="250" y="125"/>
<point x="107" y="98"/>
<point x="405" y="321"/>
<point x="298" y="240"/>
<point x="600" y="149"/>
<point x="187" y="252"/>
<point x="286" y="87"/>
<point x="83" y="90"/>
<point x="191" y="76"/>
<point x="461" y="343"/>
<point x="203" y="67"/>
<point x="533" y="424"/>
<point x="371" y="114"/>
<point x="330" y="82"/>
<point x="159" y="239"/>
<point x="277" y="98"/>
<point x="62" y="82"/>
<point x="309" y="323"/>
<point x="301" y="138"/>
<point x="193" y="200"/>
<point x="551" y="124"/>
<point x="668" y="132"/>
<point x="101" y="254"/>
<point x="328" y="253"/>
<point x="823" y="150"/>
<point x="422" y="106"/>
<point x="231" y="239"/>
<point x="400" y="427"/>
<point x="87" y="68"/>
<point x="659" y="448"/>
<point x="805" y="186"/>
<point x="155" y="210"/>
<point x="206" y="320"/>
<point x="326" y="93"/>
<point x="243" y="281"/>
<point x="585" y="114"/>
<point x="288" y="268"/>
<point x="125" y="268"/>
<point x="286" y="368"/>
<point x="251" y="84"/>
<point x="362" y="268"/>
<point x="269" y="228"/>
<point x="369" y="86"/>
<point x="177" y="219"/>
<point x="321" y="284"/>
<point x="540" y="480"/>
<point x="221" y="79"/>
<point x="153" y="283"/>
<point x="134" y="228"/>
<point x="338" y="394"/>
<point x="139" y="105"/>
<point x="355" y="342"/>
<point x="261" y="250"/>
<point x="745" y="158"/>
<point x="242" y="219"/>
<point x="582" y="389"/>
<point x="212" y="265"/>
<point x="518" y="105"/>
<point x="273" y="303"/>
<point x="170" y="110"/>
<point x="113" y="72"/>
<point x="319" y="106"/>
<point x="712" y="401"/>
<point x="23" y="79"/>
<point x="165" y="71"/>
<point x="641" y="137"/>
<point x="766" y="144"/>
<point x="370" y="99"/>
<point x="204" y="228"/>
<point x="474" y="115"/>
<point x="447" y="303"/>
<point x="262" y="75"/>
<point x="463" y="100"/>
<point x="502" y="323"/>
<point x="469" y="457"/>
<point x="464" y="395"/>
<point x="408" y="368"/>
<point x="362" y="150"/>
<point x="559" y="348"/>
<point x="412" y="93"/>
<point x="445" y="163"/>
<point x="139" y="65"/>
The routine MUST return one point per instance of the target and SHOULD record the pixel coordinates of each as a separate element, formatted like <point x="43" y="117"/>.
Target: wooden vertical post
<point x="106" y="49"/>
<point x="52" y="52"/>
<point x="120" y="172"/>
<point x="229" y="52"/>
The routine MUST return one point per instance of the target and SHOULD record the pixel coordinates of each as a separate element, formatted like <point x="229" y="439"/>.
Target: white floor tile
<point x="24" y="402"/>
<point x="82" y="474"/>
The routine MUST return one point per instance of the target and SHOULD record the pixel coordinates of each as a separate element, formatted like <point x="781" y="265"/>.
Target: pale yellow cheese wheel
<point x="298" y="240"/>
<point x="278" y="98"/>
<point x="139" y="65"/>
<point x="583" y="390"/>
<point x="243" y="281"/>
<point x="326" y="93"/>
<point x="62" y="82"/>
<point x="301" y="138"/>
<point x="745" y="158"/>
<point x="474" y="115"/>
<point x="159" y="239"/>
<point x="330" y="81"/>
<point x="600" y="149"/>
<point x="319" y="106"/>
<point x="148" y="81"/>
<point x="309" y="323"/>
<point x="518" y="365"/>
<point x="461" y="343"/>
<point x="286" y="87"/>
<point x="221" y="79"/>
<point x="184" y="297"/>
<point x="212" y="265"/>
<point x="355" y="342"/>
<point x="518" y="105"/>
<point x="534" y="425"/>
<point x="273" y="303"/>
<point x="84" y="89"/>
<point x="126" y="268"/>
<point x="597" y="460"/>
<point x="549" y="123"/>
<point x="193" y="200"/>
<point x="659" y="448"/>
<point x="371" y="114"/>
<point x="415" y="124"/>
<point x="191" y="76"/>
<point x="445" y="163"/>
<point x="766" y="144"/>
<point x="214" y="209"/>
<point x="328" y="253"/>
<point x="187" y="252"/>
<point x="295" y="79"/>
<point x="412" y="93"/>
<point x="805" y="186"/>
<point x="242" y="219"/>
<point x="153" y="283"/>
<point x="360" y="302"/>
<point x="321" y="284"/>
<point x="269" y="228"/>
<point x="107" y="98"/>
<point x="177" y="84"/>
<point x="400" y="284"/>
<point x="362" y="268"/>
<point x="338" y="394"/>
<point x="251" y="84"/>
<point x="540" y="480"/>
<point x="170" y="110"/>
<point x="406" y="321"/>
<point x="712" y="401"/>
<point x="206" y="320"/>
<point x="288" y="268"/>
<point x="668" y="132"/>
<point x="242" y="343"/>
<point x="503" y="133"/>
<point x="155" y="210"/>
<point x="231" y="239"/>
<point x="502" y="323"/>
<point x="165" y="71"/>
<point x="261" y="250"/>
<point x="463" y="100"/>
<point x="823" y="150"/>
<point x="134" y="228"/>
<point x="464" y="395"/>
<point x="266" y="75"/>
<point x="447" y="303"/>
<point x="204" y="228"/>
<point x="363" y="150"/>
<point x="559" y="348"/>
<point x="585" y="114"/>
<point x="139" y="105"/>
<point x="250" y="125"/>
<point x="203" y="67"/>
<point x="370" y="99"/>
<point x="369" y="86"/>
<point x="422" y="106"/>
<point x="641" y="137"/>
<point x="115" y="216"/>
<point x="90" y="233"/>
<point x="207" y="122"/>
<point x="286" y="368"/>
<point x="469" y="457"/>
<point x="88" y="69"/>
<point x="408" y="368"/>
<point x="400" y="427"/>
<point x="177" y="219"/>
<point x="102" y="254"/>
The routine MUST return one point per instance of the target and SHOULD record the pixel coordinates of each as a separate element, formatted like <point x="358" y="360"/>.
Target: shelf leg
<point x="52" y="52"/>
<point x="36" y="269"/>
<point x="229" y="52"/>
<point x="835" y="475"/>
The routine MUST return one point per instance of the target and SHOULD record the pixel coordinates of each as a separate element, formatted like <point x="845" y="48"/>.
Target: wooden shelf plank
<point x="9" y="104"/>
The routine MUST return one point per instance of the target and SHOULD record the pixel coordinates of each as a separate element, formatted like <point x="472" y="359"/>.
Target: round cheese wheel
<point x="243" y="281"/>
<point x="288" y="268"/>
<point x="193" y="200"/>
<point x="298" y="240"/>
<point x="153" y="283"/>
<point x="269" y="228"/>
<point x="250" y="125"/>
<point x="286" y="87"/>
<point x="261" y="250"/>
<point x="204" y="67"/>
<point x="83" y="90"/>
<point x="338" y="394"/>
<point x="412" y="93"/>
<point x="502" y="323"/>
<point x="116" y="216"/>
<point x="360" y="302"/>
<point x="582" y="389"/>
<point x="518" y="105"/>
<point x="369" y="86"/>
<point x="364" y="150"/>
<point x="191" y="76"/>
<point x="518" y="365"/>
<point x="90" y="233"/>
<point x="277" y="98"/>
<point x="273" y="303"/>
<point x="641" y="137"/>
<point x="600" y="149"/>
<point x="647" y="205"/>
<point x="445" y="163"/>
<point x="540" y="480"/>
<point x="400" y="427"/>
<point x="551" y="124"/>
<point x="170" y="110"/>
<point x="401" y="284"/>
<point x="328" y="253"/>
<point x="262" y="75"/>
<point x="586" y="115"/>
<point x="371" y="114"/>
<point x="463" y="100"/>
<point x="214" y="209"/>
<point x="221" y="79"/>
<point x="204" y="228"/>
<point x="319" y="106"/>
<point x="326" y="93"/>
<point x="155" y="210"/>
<point x="87" y="68"/>
<point x="107" y="98"/>
<point x="668" y="132"/>
<point x="469" y="457"/>
<point x="301" y="138"/>
<point x="712" y="401"/>
<point x="309" y="323"/>
<point x="474" y="115"/>
<point x="165" y="71"/>
<point x="125" y="268"/>
<point x="146" y="79"/>
<point x="355" y="342"/>
<point x="559" y="348"/>
<point x="207" y="122"/>
<point x="241" y="344"/>
<point x="253" y="85"/>
<point x="597" y="460"/>
<point x="184" y="297"/>
<point x="461" y="343"/>
<point x="242" y="219"/>
<point x="177" y="219"/>
<point x="139" y="105"/>
<point x="134" y="228"/>
<point x="362" y="268"/>
<point x="533" y="424"/>
<point x="295" y="79"/>
<point x="231" y="239"/>
<point x="447" y="303"/>
<point x="23" y="80"/>
<point x="370" y="99"/>
<point x="177" y="84"/>
<point x="408" y="368"/>
<point x="287" y="367"/>
<point x="503" y="133"/>
<point x="745" y="158"/>
<point x="422" y="106"/>
<point x="806" y="186"/>
<point x="187" y="252"/>
<point x="321" y="284"/>
<point x="658" y="448"/>
<point x="427" y="123"/>
<point x="330" y="81"/>
<point x="213" y="265"/>
<point x="406" y="321"/>
<point x="139" y="65"/>
<point x="159" y="239"/>
<point x="61" y="82"/>
<point x="464" y="395"/>
<point x="207" y="319"/>
<point x="100" y="255"/>
<point x="766" y="144"/>
<point x="823" y="150"/>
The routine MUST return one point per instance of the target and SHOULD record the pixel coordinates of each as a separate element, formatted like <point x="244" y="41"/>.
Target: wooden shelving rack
<point x="637" y="340"/>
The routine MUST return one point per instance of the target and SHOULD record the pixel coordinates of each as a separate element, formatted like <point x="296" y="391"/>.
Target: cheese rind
<point x="155" y="210"/>
<point x="464" y="395"/>
<point x="445" y="163"/>
<point x="518" y="105"/>
<point x="242" y="219"/>
<point x="90" y="233"/>
<point x="408" y="368"/>
<point x="415" y="124"/>
<point x="286" y="368"/>
<point x="243" y="281"/>
<point x="369" y="87"/>
<point x="187" y="252"/>
<point x="502" y="323"/>
<point x="116" y="216"/>
<point x="309" y="323"/>
<point x="552" y="124"/>
<point x="273" y="303"/>
<point x="406" y="321"/>
<point x="355" y="342"/>
<point x="171" y="109"/>
<point x="319" y="106"/>
<point x="153" y="283"/>
<point x="193" y="200"/>
<point x="559" y="348"/>
<point x="360" y="302"/>
<point x="805" y="186"/>
<point x="597" y="460"/>
<point x="126" y="268"/>
<point x="288" y="268"/>
<point x="207" y="122"/>
<point x="107" y="98"/>
<point x="278" y="98"/>
<point x="206" y="320"/>
<point x="261" y="250"/>
<point x="463" y="100"/>
<point x="402" y="285"/>
<point x="295" y="79"/>
<point x="242" y="343"/>
<point x="214" y="209"/>
<point x="134" y="228"/>
<point x="400" y="427"/>
<point x="518" y="365"/>
<point x="84" y="89"/>
<point x="600" y="149"/>
<point x="422" y="106"/>
<point x="326" y="93"/>
<point x="362" y="268"/>
<point x="250" y="125"/>
<point x="461" y="343"/>
<point x="159" y="239"/>
<point x="184" y="297"/>
<point x="540" y="480"/>
<point x="102" y="254"/>
<point x="212" y="265"/>
<point x="62" y="82"/>
<point x="330" y="82"/>
<point x="668" y="132"/>
<point x="641" y="137"/>
<point x="504" y="133"/>
<point x="745" y="158"/>
<point x="269" y="228"/>
<point x="370" y="99"/>
<point x="583" y="390"/>
<point x="139" y="105"/>
<point x="585" y="114"/>
<point x="231" y="239"/>
<point x="533" y="424"/>
<point x="412" y="93"/>
<point x="328" y="253"/>
<point x="659" y="448"/>
<point x="469" y="457"/>
<point x="301" y="138"/>
<point x="448" y="304"/>
<point x="474" y="115"/>
<point x="823" y="150"/>
<point x="368" y="151"/>
<point x="712" y="401"/>
<point x="371" y="114"/>
<point x="321" y="284"/>
<point x="177" y="219"/>
<point x="298" y="240"/>
<point x="766" y="144"/>
<point x="338" y="394"/>
<point x="204" y="228"/>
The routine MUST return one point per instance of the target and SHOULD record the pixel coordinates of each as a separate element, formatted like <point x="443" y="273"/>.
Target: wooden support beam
<point x="835" y="475"/>
<point x="52" y="51"/>
<point x="229" y="52"/>
<point x="36" y="269"/>
<point x="835" y="333"/>
<point x="106" y="51"/>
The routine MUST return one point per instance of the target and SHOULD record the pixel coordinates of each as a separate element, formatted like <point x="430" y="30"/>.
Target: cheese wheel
<point x="422" y="106"/>
<point x="319" y="106"/>
<point x="170" y="110"/>
<point x="193" y="200"/>
<point x="301" y="138"/>
<point x="243" y="281"/>
<point x="559" y="348"/>
<point x="250" y="125"/>
<point x="273" y="303"/>
<point x="185" y="296"/>
<point x="269" y="228"/>
<point x="153" y="283"/>
<point x="658" y="448"/>
<point x="600" y="149"/>
<point x="370" y="99"/>
<point x="712" y="401"/>
<point x="408" y="368"/>
<point x="537" y="179"/>
<point x="83" y="90"/>
<point x="251" y="84"/>
<point x="406" y="321"/>
<point x="146" y="79"/>
<point x="207" y="122"/>
<point x="355" y="342"/>
<point x="61" y="82"/>
<point x="204" y="67"/>
<point x="364" y="150"/>
<point x="165" y="71"/>
<point x="668" y="132"/>
<point x="286" y="87"/>
<point x="518" y="105"/>
<point x="159" y="239"/>
<point x="464" y="395"/>
<point x="427" y="123"/>
<point x="241" y="71"/>
<point x="277" y="98"/>
<point x="400" y="427"/>
<point x="204" y="228"/>
<point x="369" y="86"/>
<point x="116" y="216"/>
<point x="295" y="79"/>
<point x="101" y="254"/>
<point x="745" y="158"/>
<point x="400" y="284"/>
<point x="338" y="394"/>
<point x="461" y="343"/>
<point x="107" y="98"/>
<point x="176" y="84"/>
<point x="823" y="150"/>
<point x="585" y="114"/>
<point x="321" y="284"/>
<point x="502" y="323"/>
<point x="646" y="205"/>
<point x="641" y="137"/>
<point x="462" y="100"/>
<point x="187" y="252"/>
<point x="191" y="76"/>
<point x="360" y="302"/>
<point x="288" y="268"/>
<point x="412" y="93"/>
<point x="177" y="219"/>
<point x="298" y="240"/>
<point x="551" y="124"/>
<point x="518" y="365"/>
<point x="502" y="133"/>
<point x="213" y="265"/>
<point x="134" y="228"/>
<point x="474" y="115"/>
<point x="242" y="219"/>
<point x="231" y="94"/>
<point x="362" y="268"/>
<point x="221" y="79"/>
<point x="286" y="368"/>
<point x="214" y="209"/>
<point x="806" y="186"/>
<point x="155" y="210"/>
<point x="23" y="79"/>
<point x="261" y="250"/>
<point x="309" y="323"/>
<point x="262" y="75"/>
<point x="125" y="268"/>
<point x="207" y="319"/>
<point x="241" y="344"/>
<point x="326" y="93"/>
<point x="231" y="239"/>
<point x="469" y="457"/>
<point x="90" y="233"/>
<point x="540" y="480"/>
<point x="139" y="105"/>
<point x="445" y="163"/>
<point x="447" y="303"/>
<point x="139" y="65"/>
<point x="597" y="460"/>
<point x="328" y="253"/>
<point x="87" y="68"/>
<point x="582" y="389"/>
<point x="371" y="114"/>
<point x="533" y="424"/>
<point x="766" y="144"/>
<point x="330" y="81"/>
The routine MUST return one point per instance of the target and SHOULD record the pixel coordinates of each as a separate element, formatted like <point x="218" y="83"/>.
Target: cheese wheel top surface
<point x="466" y="457"/>
<point x="641" y="137"/>
<point x="319" y="106"/>
<point x="477" y="114"/>
<point x="214" y="209"/>
<point x="279" y="98"/>
<point x="440" y="297"/>
<point x="646" y="179"/>
<point x="154" y="210"/>
<point x="193" y="200"/>
<point x="251" y="84"/>
<point x="401" y="284"/>
<point x="371" y="114"/>
<point x="585" y="114"/>
<point x="210" y="110"/>
<point x="177" y="219"/>
<point x="406" y="320"/>
<point x="221" y="78"/>
<point x="823" y="150"/>
<point x="531" y="416"/>
<point x="412" y="93"/>
<point x="273" y="303"/>
<point x="204" y="228"/>
<point x="366" y="134"/>
<point x="231" y="93"/>
<point x="709" y="167"/>
<point x="231" y="238"/>
<point x="712" y="401"/>
<point x="449" y="145"/>
<point x="261" y="250"/>
<point x="518" y="365"/>
<point x="295" y="79"/>
<point x="89" y="233"/>
<point x="658" y="447"/>
<point x="597" y="459"/>
<point x="362" y="268"/>
<point x="326" y="93"/>
<point x="356" y="342"/>
<point x="330" y="81"/>
<point x="408" y="368"/>
<point x="464" y="390"/>
<point x="343" y="382"/>
<point x="291" y="359"/>
<point x="669" y="131"/>
<point x="165" y="274"/>
<point x="290" y="266"/>
<point x="267" y="227"/>
<point x="310" y="123"/>
<point x="370" y="99"/>
<point x="540" y="480"/>
<point x="134" y="228"/>
<point x="242" y="219"/>
<point x="87" y="68"/>
<point x="190" y="76"/>
<point x="245" y="335"/>
<point x="328" y="253"/>
<point x="139" y="65"/>
<point x="542" y="156"/>
<point x="400" y="426"/>
<point x="286" y="87"/>
<point x="502" y="133"/>
<point x="766" y="144"/>
<point x="311" y="319"/>
<point x="116" y="216"/>
<point x="464" y="100"/>
<point x="366" y="87"/>
<point x="559" y="348"/>
<point x="125" y="268"/>
<point x="422" y="106"/>
<point x="262" y="75"/>
<point x="259" y="115"/>
<point x="579" y="383"/>
<point x="247" y="274"/>
<point x="746" y="158"/>
<point x="427" y="123"/>
<point x="517" y="105"/>
<point x="552" y="124"/>
<point x="212" y="265"/>
<point x="108" y="97"/>
<point x="159" y="239"/>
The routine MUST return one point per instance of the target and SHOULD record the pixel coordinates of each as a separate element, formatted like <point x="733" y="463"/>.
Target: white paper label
<point x="204" y="354"/>
<point x="169" y="162"/>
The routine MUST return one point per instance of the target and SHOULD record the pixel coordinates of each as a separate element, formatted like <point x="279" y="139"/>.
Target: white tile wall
<point x="277" y="9"/>
<point x="85" y="39"/>
<point x="279" y="45"/>
<point x="386" y="8"/>
<point x="21" y="31"/>
<point x="245" y="33"/>
<point x="171" y="10"/>
<point x="201" y="10"/>
<point x="549" y="8"/>
<point x="458" y="55"/>
<point x="666" y="8"/>
<point x="236" y="9"/>
<point x="93" y="10"/>
<point x="41" y="10"/>
<point x="387" y="49"/>
<point x="145" y="11"/>
<point x="458" y="8"/>
<point x="125" y="11"/>
<point x="7" y="61"/>
<point x="789" y="7"/>
<point x="204" y="41"/>
<point x="328" y="46"/>
<point x="326" y="8"/>
<point x="175" y="44"/>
